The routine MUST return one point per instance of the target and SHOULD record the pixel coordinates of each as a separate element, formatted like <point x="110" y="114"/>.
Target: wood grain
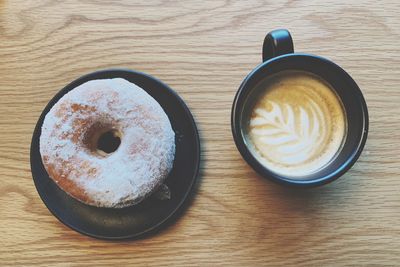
<point x="203" y="49"/>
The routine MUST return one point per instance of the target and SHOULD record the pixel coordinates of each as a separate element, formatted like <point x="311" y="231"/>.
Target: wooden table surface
<point x="203" y="50"/>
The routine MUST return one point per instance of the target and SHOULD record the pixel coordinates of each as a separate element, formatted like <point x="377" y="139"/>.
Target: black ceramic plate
<point x="152" y="213"/>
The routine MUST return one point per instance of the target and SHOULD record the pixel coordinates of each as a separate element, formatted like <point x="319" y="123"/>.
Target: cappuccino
<point x="297" y="124"/>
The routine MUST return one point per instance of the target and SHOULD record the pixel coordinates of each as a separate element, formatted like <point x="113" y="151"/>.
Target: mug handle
<point x="276" y="43"/>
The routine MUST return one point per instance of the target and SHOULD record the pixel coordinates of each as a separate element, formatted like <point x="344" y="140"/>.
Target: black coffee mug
<point x="278" y="56"/>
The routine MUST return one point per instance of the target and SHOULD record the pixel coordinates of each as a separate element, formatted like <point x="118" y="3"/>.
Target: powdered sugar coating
<point x="125" y="177"/>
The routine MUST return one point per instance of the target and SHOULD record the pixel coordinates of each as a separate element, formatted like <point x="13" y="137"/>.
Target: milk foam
<point x="297" y="125"/>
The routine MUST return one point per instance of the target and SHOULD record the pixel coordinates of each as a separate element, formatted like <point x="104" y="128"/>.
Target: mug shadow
<point x="299" y="216"/>
<point x="303" y="197"/>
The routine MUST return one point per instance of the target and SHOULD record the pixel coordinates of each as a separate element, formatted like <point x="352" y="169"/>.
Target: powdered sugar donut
<point x="107" y="143"/>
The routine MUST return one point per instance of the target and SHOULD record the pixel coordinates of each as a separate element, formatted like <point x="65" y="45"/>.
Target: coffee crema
<point x="297" y="125"/>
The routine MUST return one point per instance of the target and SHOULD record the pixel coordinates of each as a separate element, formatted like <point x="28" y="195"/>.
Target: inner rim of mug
<point x="345" y="88"/>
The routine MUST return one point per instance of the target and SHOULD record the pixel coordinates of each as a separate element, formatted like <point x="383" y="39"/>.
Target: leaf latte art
<point x="297" y="126"/>
<point x="294" y="145"/>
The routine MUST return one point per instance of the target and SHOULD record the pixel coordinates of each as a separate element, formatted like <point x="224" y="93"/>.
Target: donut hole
<point x="108" y="142"/>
